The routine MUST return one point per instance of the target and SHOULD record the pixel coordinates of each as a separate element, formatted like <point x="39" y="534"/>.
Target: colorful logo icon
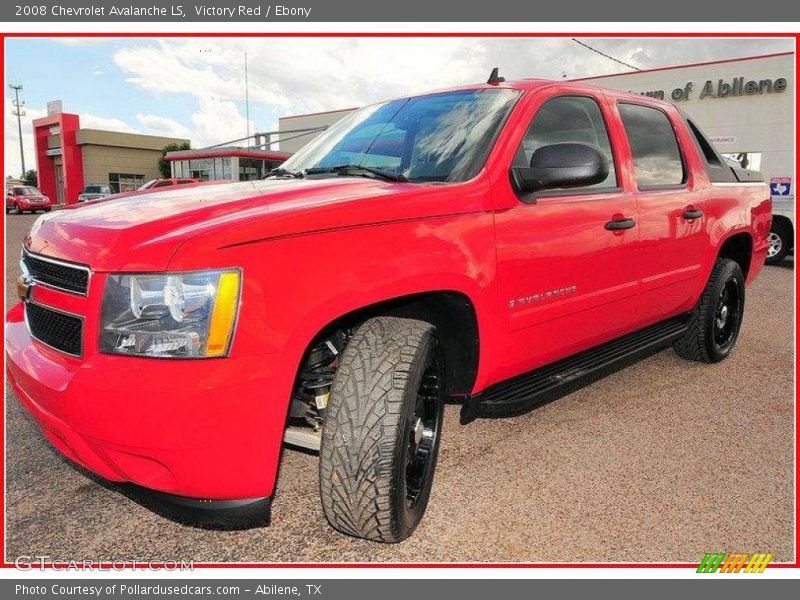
<point x="734" y="562"/>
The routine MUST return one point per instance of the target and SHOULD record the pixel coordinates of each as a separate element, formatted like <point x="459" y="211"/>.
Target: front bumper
<point x="30" y="205"/>
<point x="206" y="429"/>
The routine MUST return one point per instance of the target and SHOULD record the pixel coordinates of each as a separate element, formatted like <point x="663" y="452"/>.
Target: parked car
<point x="94" y="191"/>
<point x="26" y="198"/>
<point x="496" y="245"/>
<point x="781" y="235"/>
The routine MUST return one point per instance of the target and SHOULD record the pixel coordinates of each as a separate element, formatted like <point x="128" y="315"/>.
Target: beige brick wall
<point x="99" y="161"/>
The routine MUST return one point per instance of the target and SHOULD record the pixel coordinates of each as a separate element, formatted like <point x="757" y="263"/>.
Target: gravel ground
<point x="661" y="462"/>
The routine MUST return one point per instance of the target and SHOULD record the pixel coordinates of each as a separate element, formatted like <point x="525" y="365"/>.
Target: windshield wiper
<point x="358" y="171"/>
<point x="281" y="172"/>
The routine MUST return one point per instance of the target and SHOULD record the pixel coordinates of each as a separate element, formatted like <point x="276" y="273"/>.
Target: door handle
<point x="691" y="213"/>
<point x="618" y="224"/>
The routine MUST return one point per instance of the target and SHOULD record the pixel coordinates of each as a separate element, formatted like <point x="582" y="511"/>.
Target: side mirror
<point x="566" y="165"/>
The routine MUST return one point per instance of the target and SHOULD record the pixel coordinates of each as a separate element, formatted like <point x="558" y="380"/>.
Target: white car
<point x="781" y="236"/>
<point x="94" y="192"/>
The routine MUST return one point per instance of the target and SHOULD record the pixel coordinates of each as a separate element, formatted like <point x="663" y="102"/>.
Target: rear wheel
<point x="780" y="242"/>
<point x="381" y="434"/>
<point x="715" y="322"/>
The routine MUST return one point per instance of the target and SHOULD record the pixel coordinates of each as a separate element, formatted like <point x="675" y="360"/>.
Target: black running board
<point x="523" y="393"/>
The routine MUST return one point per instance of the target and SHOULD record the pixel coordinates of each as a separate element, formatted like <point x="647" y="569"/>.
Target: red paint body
<point x="213" y="428"/>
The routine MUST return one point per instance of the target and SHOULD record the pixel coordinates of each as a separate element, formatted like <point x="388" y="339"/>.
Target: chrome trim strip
<point x="28" y="327"/>
<point x="60" y="263"/>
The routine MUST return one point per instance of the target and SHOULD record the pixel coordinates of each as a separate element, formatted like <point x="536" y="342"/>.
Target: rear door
<point x="672" y="218"/>
<point x="566" y="281"/>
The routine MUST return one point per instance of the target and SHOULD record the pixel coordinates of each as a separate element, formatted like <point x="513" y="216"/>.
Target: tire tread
<point x="359" y="439"/>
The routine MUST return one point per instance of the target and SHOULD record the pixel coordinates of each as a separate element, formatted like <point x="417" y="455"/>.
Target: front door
<point x="566" y="271"/>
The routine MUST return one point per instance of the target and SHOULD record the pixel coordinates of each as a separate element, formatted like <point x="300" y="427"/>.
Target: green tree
<point x="163" y="163"/>
<point x="31" y="178"/>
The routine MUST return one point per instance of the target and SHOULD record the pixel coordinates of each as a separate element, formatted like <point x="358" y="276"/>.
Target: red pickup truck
<point x="495" y="244"/>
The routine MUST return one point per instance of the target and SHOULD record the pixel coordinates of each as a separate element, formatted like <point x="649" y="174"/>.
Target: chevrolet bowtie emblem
<point x="24" y="287"/>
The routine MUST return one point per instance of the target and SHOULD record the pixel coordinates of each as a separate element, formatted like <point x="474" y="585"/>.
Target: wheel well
<point x="738" y="248"/>
<point x="453" y="315"/>
<point x="786" y="222"/>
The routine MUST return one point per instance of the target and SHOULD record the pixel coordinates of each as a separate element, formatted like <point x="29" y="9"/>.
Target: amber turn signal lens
<point x="223" y="316"/>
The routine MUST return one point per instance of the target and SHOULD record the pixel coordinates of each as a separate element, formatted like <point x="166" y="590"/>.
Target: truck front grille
<point x="54" y="328"/>
<point x="57" y="274"/>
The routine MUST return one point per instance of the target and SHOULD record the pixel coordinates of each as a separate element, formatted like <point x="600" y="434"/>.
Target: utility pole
<point x="19" y="113"/>
<point x="246" y="100"/>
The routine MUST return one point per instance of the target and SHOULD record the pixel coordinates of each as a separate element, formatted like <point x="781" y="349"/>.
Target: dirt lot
<point x="661" y="462"/>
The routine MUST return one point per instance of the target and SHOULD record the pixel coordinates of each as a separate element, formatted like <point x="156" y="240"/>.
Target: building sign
<point x="780" y="186"/>
<point x="55" y="107"/>
<point x="722" y="139"/>
<point x="720" y="88"/>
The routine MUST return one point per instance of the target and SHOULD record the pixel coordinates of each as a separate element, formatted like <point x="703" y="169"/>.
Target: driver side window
<point x="569" y="119"/>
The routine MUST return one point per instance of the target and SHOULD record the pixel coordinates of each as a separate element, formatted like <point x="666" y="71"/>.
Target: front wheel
<point x="381" y="433"/>
<point x="715" y="322"/>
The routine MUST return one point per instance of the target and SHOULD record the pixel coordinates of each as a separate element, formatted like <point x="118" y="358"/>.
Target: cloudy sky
<point x="194" y="87"/>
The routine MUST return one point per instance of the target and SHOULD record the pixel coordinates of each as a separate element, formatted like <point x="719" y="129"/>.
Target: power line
<point x="616" y="60"/>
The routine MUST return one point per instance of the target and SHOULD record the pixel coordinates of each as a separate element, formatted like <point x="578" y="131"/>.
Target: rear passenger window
<point x="656" y="156"/>
<point x="569" y="119"/>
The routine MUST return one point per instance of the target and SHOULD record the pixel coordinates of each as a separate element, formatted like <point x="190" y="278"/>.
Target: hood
<point x="142" y="232"/>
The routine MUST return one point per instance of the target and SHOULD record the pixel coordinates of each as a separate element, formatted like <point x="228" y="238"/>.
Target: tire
<point x="715" y="322"/>
<point x="383" y="422"/>
<point x="780" y="242"/>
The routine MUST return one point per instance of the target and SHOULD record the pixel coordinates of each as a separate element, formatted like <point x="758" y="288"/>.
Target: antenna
<point x="19" y="113"/>
<point x="495" y="78"/>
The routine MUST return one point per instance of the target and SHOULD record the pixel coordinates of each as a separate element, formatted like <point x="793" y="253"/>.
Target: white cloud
<point x="217" y="121"/>
<point x="90" y="121"/>
<point x="297" y="75"/>
<point x="159" y="125"/>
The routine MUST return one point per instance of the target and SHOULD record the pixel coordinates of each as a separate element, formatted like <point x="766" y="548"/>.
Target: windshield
<point x="27" y="191"/>
<point x="438" y="137"/>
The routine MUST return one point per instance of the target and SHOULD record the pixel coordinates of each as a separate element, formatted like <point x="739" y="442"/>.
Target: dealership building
<point x="224" y="162"/>
<point x="68" y="158"/>
<point x="745" y="105"/>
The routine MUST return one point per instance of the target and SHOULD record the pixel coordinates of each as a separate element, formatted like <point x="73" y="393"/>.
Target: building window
<point x="251" y="168"/>
<point x="124" y="182"/>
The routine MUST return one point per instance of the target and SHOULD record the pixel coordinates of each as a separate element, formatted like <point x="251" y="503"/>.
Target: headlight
<point x="175" y="315"/>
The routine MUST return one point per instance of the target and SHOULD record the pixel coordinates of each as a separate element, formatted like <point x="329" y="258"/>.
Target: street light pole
<point x="19" y="113"/>
<point x="246" y="100"/>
